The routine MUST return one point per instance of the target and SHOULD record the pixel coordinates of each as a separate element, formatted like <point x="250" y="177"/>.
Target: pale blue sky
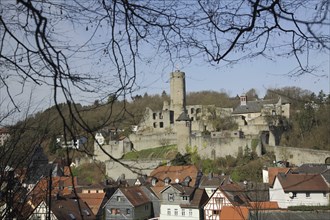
<point x="258" y="73"/>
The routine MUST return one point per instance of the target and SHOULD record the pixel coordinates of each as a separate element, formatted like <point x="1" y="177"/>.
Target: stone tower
<point x="178" y="93"/>
<point x="183" y="130"/>
<point x="182" y="124"/>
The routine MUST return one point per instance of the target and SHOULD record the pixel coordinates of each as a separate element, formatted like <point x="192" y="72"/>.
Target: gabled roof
<point x="214" y="181"/>
<point x="184" y="190"/>
<point x="93" y="200"/>
<point x="253" y="106"/>
<point x="178" y="173"/>
<point x="234" y="193"/>
<point x="60" y="185"/>
<point x="302" y="183"/>
<point x="273" y="171"/>
<point x="198" y="200"/>
<point x="135" y="195"/>
<point x="66" y="207"/>
<point x="256" y="192"/>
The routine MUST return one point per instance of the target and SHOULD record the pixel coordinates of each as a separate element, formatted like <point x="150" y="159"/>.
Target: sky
<point x="257" y="73"/>
<point x="260" y="74"/>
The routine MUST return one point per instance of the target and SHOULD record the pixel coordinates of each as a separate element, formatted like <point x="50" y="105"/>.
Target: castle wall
<point x="155" y="121"/>
<point x="131" y="169"/>
<point x="115" y="148"/>
<point x="208" y="147"/>
<point x="298" y="156"/>
<point x="146" y="141"/>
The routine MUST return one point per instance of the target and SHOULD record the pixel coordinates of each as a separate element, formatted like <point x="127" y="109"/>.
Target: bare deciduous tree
<point x="98" y="48"/>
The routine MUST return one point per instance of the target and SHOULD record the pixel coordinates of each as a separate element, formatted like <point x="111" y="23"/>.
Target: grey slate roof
<point x="292" y="215"/>
<point x="213" y="181"/>
<point x="312" y="168"/>
<point x="253" y="106"/>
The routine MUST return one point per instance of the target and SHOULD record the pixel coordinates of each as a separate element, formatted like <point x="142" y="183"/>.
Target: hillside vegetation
<point x="308" y="126"/>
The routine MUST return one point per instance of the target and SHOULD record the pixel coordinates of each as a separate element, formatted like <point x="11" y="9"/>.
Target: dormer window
<point x="154" y="181"/>
<point x="167" y="181"/>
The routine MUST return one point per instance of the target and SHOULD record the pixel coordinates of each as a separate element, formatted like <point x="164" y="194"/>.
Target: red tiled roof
<point x="264" y="205"/>
<point x="234" y="213"/>
<point x="302" y="183"/>
<point x="273" y="171"/>
<point x="175" y="172"/>
<point x="60" y="185"/>
<point x="157" y="190"/>
<point x="93" y="200"/>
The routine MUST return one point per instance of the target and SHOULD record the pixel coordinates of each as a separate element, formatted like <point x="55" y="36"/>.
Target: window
<point x="192" y="110"/>
<point x="119" y="199"/>
<point x="168" y="211"/>
<point x="308" y="195"/>
<point x="167" y="181"/>
<point x="183" y="211"/>
<point x="324" y="195"/>
<point x="190" y="212"/>
<point x="154" y="116"/>
<point x="294" y="195"/>
<point x="115" y="211"/>
<point x="128" y="211"/>
<point x="154" y="181"/>
<point x="185" y="198"/>
<point x="176" y="212"/>
<point x="155" y="125"/>
<point x="161" y="124"/>
<point x="160" y="115"/>
<point x="216" y="212"/>
<point x="171" y="197"/>
<point x="146" y="207"/>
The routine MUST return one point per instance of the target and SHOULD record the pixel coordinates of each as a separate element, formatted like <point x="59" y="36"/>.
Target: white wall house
<point x="227" y="195"/>
<point x="299" y="189"/>
<point x="181" y="202"/>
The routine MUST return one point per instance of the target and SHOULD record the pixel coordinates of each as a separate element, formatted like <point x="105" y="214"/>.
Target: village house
<point x="211" y="182"/>
<point x="129" y="203"/>
<point x="95" y="197"/>
<point x="62" y="207"/>
<point x="182" y="202"/>
<point x="226" y="195"/>
<point x="299" y="189"/>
